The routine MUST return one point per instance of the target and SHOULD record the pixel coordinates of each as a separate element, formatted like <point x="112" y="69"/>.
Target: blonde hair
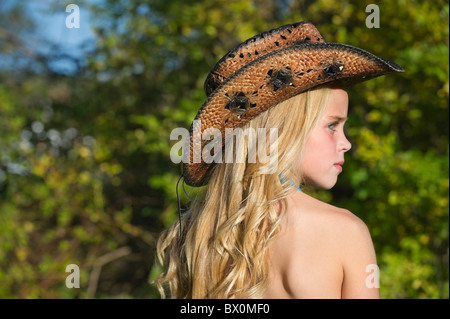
<point x="222" y="252"/>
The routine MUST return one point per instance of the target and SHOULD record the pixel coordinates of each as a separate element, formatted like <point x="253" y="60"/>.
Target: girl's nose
<point x="345" y="144"/>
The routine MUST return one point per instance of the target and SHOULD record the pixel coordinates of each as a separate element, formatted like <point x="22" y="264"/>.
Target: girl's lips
<point x="339" y="166"/>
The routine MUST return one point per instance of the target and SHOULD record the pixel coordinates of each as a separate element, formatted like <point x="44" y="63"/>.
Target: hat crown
<point x="258" y="46"/>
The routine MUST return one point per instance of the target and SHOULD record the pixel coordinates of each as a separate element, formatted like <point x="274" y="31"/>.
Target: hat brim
<point x="272" y="79"/>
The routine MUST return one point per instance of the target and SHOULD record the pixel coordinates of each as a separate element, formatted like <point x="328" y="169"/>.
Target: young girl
<point x="254" y="233"/>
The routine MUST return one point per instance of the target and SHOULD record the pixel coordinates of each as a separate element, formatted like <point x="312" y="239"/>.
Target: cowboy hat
<point x="270" y="68"/>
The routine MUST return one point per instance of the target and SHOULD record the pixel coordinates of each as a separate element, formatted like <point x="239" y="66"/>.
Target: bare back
<point x="321" y="252"/>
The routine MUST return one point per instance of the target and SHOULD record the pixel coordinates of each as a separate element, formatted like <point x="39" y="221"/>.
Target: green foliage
<point x="84" y="159"/>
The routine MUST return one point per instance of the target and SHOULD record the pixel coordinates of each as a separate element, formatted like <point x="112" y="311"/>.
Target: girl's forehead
<point x="337" y="104"/>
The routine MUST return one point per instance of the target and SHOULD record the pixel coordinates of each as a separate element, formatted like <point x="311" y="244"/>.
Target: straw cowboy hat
<point x="270" y="68"/>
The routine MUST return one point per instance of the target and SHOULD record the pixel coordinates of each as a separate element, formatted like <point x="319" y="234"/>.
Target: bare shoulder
<point x="335" y="220"/>
<point x="338" y="225"/>
<point x="323" y="248"/>
<point x="346" y="224"/>
<point x="348" y="237"/>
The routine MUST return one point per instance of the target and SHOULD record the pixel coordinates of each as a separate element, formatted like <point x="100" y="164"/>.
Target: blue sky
<point x="51" y="29"/>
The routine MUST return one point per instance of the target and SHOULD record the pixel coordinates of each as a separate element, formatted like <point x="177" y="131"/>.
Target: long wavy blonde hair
<point x="222" y="252"/>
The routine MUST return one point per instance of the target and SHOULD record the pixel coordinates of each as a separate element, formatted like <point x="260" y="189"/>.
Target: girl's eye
<point x="331" y="126"/>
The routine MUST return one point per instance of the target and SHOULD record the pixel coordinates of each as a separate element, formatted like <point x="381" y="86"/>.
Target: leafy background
<point x="85" y="171"/>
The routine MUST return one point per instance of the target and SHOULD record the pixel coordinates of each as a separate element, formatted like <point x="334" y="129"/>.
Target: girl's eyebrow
<point x="337" y="118"/>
